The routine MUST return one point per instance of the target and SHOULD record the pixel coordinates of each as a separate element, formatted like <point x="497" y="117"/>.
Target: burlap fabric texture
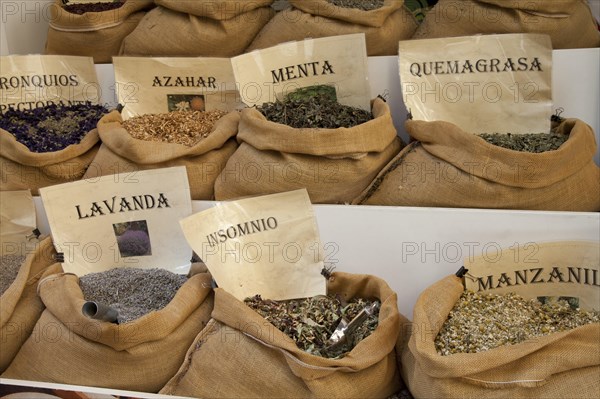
<point x="241" y="355"/>
<point x="121" y="153"/>
<point x="23" y="169"/>
<point x="383" y="27"/>
<point x="20" y="306"/>
<point x="141" y="355"/>
<point x="334" y="165"/>
<point x="559" y="365"/>
<point x="570" y="23"/>
<point x="93" y="34"/>
<point x="448" y="167"/>
<point x="209" y="28"/>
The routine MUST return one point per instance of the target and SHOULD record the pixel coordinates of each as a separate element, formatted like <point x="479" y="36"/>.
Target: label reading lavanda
<point x="97" y="230"/>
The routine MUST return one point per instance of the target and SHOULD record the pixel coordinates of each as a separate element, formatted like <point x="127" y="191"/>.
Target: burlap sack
<point x="383" y="27"/>
<point x="569" y="23"/>
<point x="241" y="355"/>
<point x="93" y="34"/>
<point x="208" y="28"/>
<point x="448" y="167"/>
<point x="20" y="306"/>
<point x="334" y="165"/>
<point x="559" y="365"/>
<point x="67" y="347"/>
<point x="121" y="153"/>
<point x="22" y="169"/>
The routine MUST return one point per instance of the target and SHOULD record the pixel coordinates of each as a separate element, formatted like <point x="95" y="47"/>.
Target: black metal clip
<point x="385" y="96"/>
<point x="35" y="234"/>
<point x="556" y="117"/>
<point x="59" y="257"/>
<point x="461" y="272"/>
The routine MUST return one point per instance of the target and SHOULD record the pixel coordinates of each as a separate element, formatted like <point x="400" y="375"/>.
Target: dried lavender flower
<point x="53" y="127"/>
<point x="134" y="243"/>
<point x="133" y="292"/>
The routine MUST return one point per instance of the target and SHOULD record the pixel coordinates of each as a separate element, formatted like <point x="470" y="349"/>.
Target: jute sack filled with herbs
<point x="96" y="34"/>
<point x="241" y="354"/>
<point x="334" y="165"/>
<point x="448" y="167"/>
<point x="60" y="150"/>
<point x="208" y="28"/>
<point x="570" y="23"/>
<point x="558" y="365"/>
<point x="140" y="354"/>
<point x="204" y="160"/>
<point x="20" y="306"/>
<point x="383" y="26"/>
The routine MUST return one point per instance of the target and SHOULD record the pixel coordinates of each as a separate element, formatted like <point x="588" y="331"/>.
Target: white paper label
<point x="123" y="220"/>
<point x="266" y="245"/>
<point x="482" y="84"/>
<point x="161" y="85"/>
<point x="546" y="271"/>
<point x="33" y="81"/>
<point x="340" y="61"/>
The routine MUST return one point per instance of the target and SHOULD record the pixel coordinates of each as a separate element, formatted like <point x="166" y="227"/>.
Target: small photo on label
<point x="186" y="102"/>
<point x="133" y="238"/>
<point x="325" y="91"/>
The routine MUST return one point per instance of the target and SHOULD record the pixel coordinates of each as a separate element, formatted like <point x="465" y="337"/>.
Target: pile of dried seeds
<point x="53" y="127"/>
<point x="314" y="107"/>
<point x="132" y="292"/>
<point x="181" y="127"/>
<point x="9" y="268"/>
<point x="365" y="5"/>
<point x="480" y="322"/>
<point x="311" y="321"/>
<point x="82" y="8"/>
<point x="531" y="142"/>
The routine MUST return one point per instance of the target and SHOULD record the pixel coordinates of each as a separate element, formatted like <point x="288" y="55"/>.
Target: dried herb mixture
<point x="480" y="322"/>
<point x="531" y="142"/>
<point x="311" y="321"/>
<point x="82" y="8"/>
<point x="314" y="107"/>
<point x="53" y="127"/>
<point x="365" y="5"/>
<point x="9" y="268"/>
<point x="181" y="127"/>
<point x="132" y="292"/>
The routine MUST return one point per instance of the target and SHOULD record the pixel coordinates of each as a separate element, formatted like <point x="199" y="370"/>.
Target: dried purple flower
<point x="134" y="243"/>
<point x="53" y="127"/>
